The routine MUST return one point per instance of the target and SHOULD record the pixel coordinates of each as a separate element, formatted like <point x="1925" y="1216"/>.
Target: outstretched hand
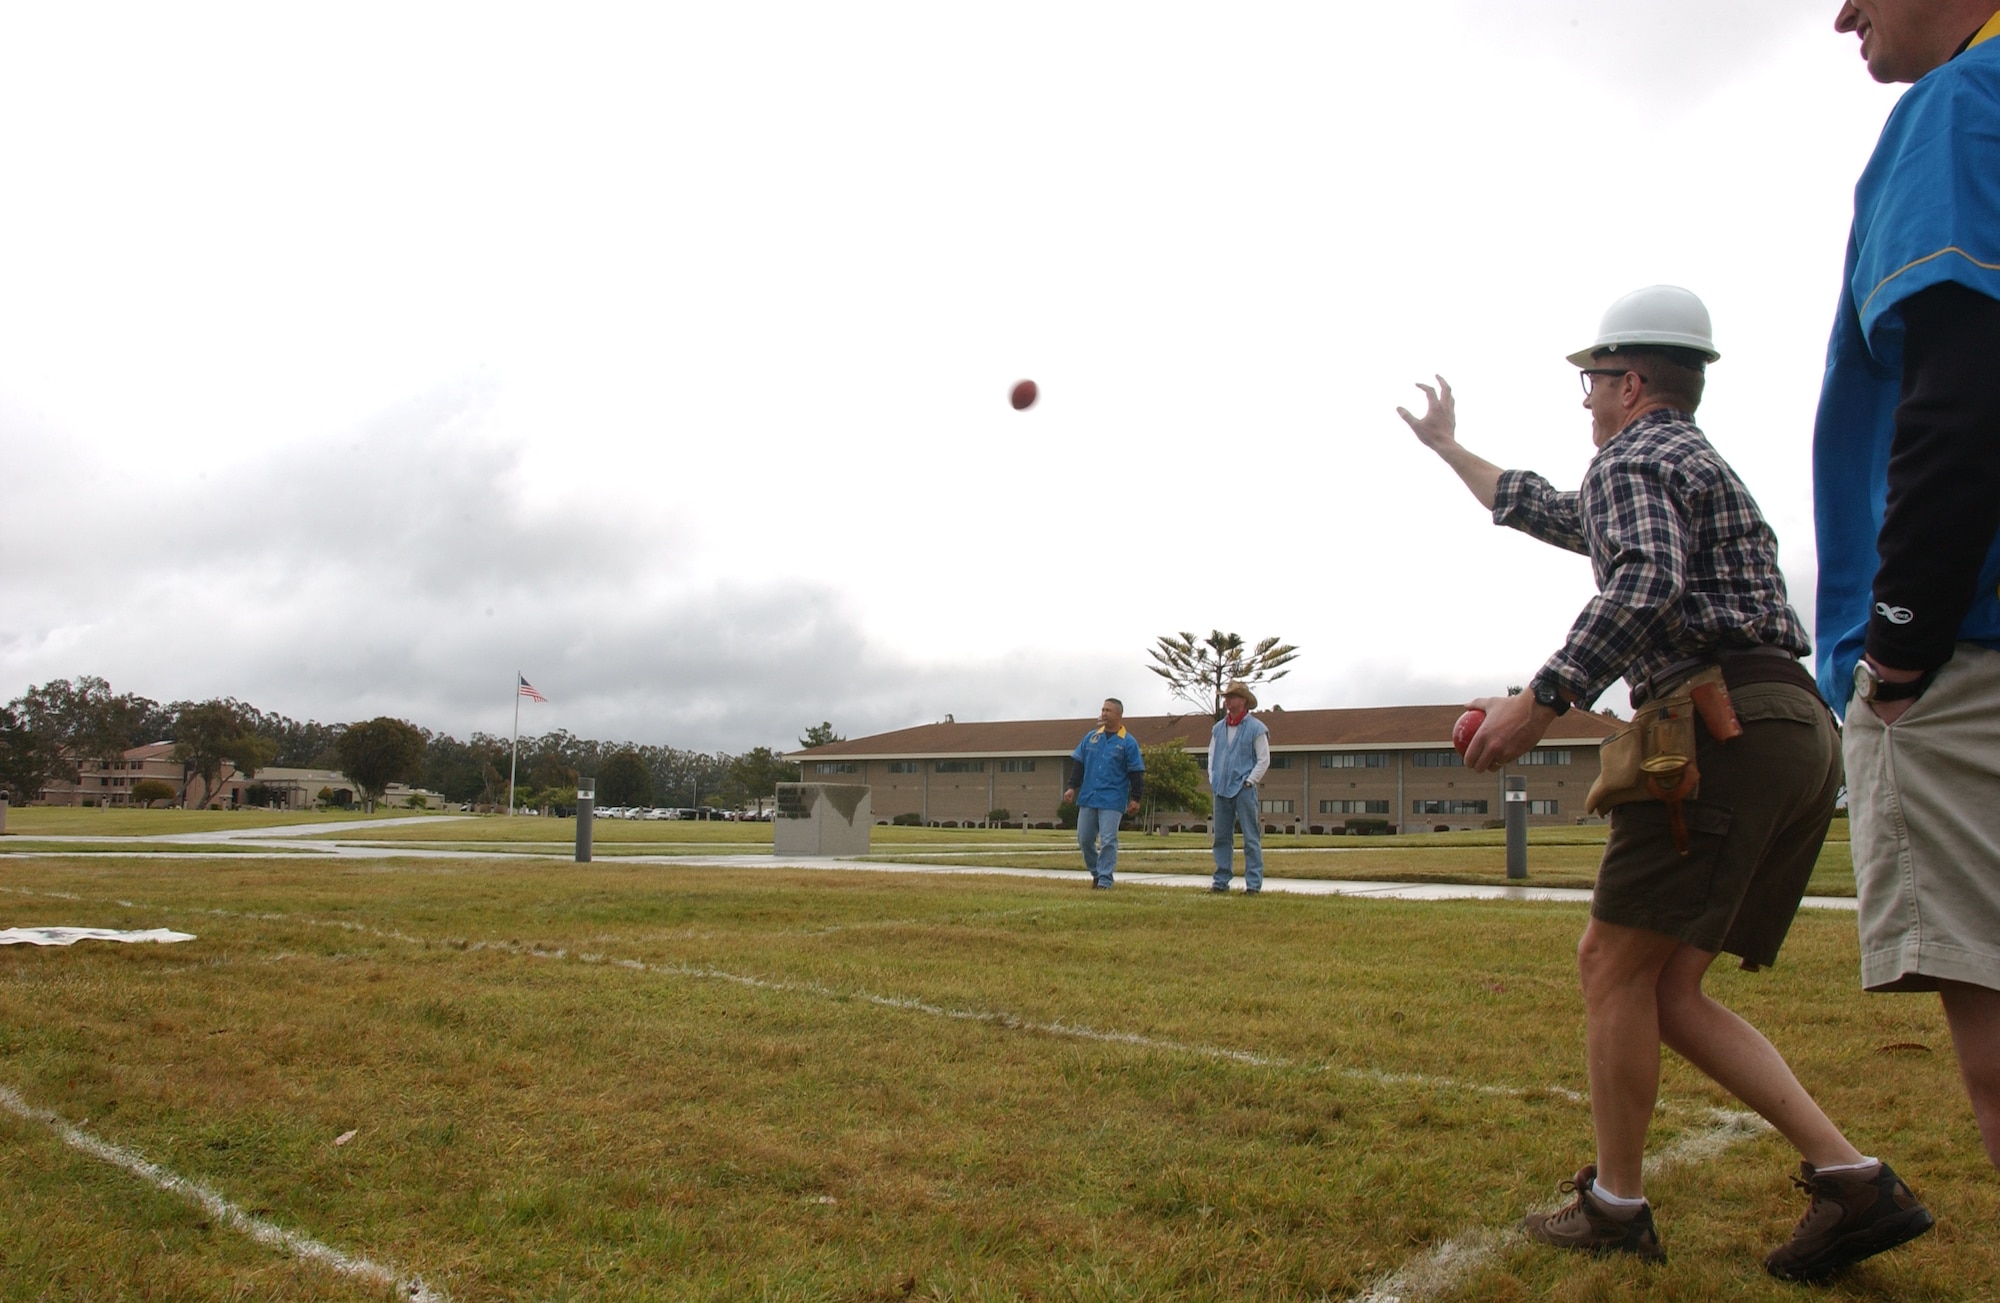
<point x="1437" y="428"/>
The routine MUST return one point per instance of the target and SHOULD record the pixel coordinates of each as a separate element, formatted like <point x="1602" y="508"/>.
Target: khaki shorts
<point x="1753" y="834"/>
<point x="1924" y="800"/>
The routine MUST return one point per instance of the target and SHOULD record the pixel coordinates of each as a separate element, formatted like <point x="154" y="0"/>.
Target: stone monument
<point x="822" y="819"/>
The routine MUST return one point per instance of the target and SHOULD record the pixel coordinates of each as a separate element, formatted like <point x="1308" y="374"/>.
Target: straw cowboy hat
<point x="1238" y="688"/>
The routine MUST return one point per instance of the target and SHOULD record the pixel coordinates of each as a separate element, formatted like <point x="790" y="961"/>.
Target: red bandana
<point x="1235" y="717"/>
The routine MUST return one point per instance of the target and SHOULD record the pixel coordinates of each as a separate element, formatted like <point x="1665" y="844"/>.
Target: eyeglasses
<point x="1586" y="376"/>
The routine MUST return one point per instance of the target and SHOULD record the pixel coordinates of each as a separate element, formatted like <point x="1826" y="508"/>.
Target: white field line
<point x="1075" y="1031"/>
<point x="219" y="1208"/>
<point x="1458" y="1257"/>
<point x="1013" y="1022"/>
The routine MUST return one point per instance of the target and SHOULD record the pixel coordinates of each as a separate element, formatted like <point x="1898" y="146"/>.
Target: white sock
<point x="1863" y="1165"/>
<point x="1617" y="1202"/>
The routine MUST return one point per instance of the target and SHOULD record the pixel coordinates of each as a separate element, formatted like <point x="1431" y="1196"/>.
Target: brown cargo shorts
<point x="1754" y="832"/>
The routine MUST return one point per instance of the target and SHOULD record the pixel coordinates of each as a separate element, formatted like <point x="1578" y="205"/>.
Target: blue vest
<point x="1926" y="210"/>
<point x="1229" y="765"/>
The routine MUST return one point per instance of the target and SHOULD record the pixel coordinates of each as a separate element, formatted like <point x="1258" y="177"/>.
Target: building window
<point x="1275" y="807"/>
<point x="1541" y="807"/>
<point x="961" y="766"/>
<point x="1355" y="760"/>
<point x="1281" y="762"/>
<point x="1017" y="766"/>
<point x="1354" y="807"/>
<point x="903" y="767"/>
<point x="838" y="767"/>
<point x="1447" y="807"/>
<point x="1545" y="756"/>
<point x="1437" y="760"/>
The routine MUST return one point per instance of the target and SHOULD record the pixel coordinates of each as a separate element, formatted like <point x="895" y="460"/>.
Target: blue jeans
<point x="1097" y="834"/>
<point x="1231" y="813"/>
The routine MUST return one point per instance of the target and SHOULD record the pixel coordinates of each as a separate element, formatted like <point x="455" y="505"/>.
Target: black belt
<point x="1661" y="681"/>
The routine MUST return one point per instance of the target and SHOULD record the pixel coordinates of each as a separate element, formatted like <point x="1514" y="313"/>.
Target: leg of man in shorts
<point x="1658" y="920"/>
<point x="1925" y="802"/>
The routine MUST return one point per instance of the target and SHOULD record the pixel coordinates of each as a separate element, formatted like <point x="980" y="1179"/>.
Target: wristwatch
<point x="1871" y="687"/>
<point x="1548" y="694"/>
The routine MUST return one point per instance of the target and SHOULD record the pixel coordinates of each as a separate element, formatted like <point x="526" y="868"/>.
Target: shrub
<point x="999" y="816"/>
<point x="148" y="790"/>
<point x="911" y="820"/>
<point x="1066" y="815"/>
<point x="1368" y="827"/>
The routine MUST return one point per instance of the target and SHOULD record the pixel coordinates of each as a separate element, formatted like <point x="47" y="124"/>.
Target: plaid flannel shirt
<point x="1684" y="562"/>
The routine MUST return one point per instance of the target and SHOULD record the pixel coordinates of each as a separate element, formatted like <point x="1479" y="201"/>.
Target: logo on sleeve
<point x="1895" y="614"/>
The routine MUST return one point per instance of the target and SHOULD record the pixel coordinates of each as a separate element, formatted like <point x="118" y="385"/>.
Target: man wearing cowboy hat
<point x="1239" y="751"/>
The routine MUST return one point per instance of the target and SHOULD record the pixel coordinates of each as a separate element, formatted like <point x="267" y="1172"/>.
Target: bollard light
<point x="1517" y="826"/>
<point x="586" y="801"/>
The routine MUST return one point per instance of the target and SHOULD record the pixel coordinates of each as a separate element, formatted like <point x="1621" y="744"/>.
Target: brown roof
<point x="1389" y="728"/>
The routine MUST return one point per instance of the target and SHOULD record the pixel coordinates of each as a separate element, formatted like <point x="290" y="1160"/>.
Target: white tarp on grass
<point x="69" y="936"/>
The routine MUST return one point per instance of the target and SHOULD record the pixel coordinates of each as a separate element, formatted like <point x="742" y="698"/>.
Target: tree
<point x="1197" y="670"/>
<point x="210" y="733"/>
<point x="380" y="752"/>
<point x="624" y="780"/>
<point x="1173" y="781"/>
<point x="820" y="735"/>
<point x="29" y="758"/>
<point x="756" y="773"/>
<point x="148" y="790"/>
<point x="85" y="721"/>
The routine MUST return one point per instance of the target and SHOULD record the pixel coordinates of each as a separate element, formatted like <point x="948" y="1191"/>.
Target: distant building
<point x="1329" y="768"/>
<point x="110" y="783"/>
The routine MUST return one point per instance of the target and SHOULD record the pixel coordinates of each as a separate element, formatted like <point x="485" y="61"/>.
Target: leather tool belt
<point x="1652" y="758"/>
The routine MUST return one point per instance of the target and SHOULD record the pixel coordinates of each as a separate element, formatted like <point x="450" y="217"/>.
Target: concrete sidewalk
<point x="286" y="838"/>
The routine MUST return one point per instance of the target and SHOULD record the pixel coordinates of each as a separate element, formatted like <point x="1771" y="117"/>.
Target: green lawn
<point x="1562" y="856"/>
<point x="80" y="821"/>
<point x="623" y="1081"/>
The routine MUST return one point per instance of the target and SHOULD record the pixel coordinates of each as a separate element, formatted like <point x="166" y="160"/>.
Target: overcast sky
<point x="353" y="359"/>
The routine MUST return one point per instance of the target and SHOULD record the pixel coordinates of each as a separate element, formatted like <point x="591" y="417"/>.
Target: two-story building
<point x="109" y="783"/>
<point x="1329" y="769"/>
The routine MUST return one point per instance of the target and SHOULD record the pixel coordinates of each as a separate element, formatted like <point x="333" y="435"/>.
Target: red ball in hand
<point x="1024" y="395"/>
<point x="1462" y="731"/>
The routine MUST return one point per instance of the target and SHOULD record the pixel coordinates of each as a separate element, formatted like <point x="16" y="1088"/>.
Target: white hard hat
<point x="1661" y="315"/>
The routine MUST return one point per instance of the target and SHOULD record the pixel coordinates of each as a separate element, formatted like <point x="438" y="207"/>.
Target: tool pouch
<point x="1711" y="702"/>
<point x="1652" y="759"/>
<point x="1648" y="757"/>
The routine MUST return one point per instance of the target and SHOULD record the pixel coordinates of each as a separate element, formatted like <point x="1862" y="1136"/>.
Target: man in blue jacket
<point x="1107" y="777"/>
<point x="1906" y="485"/>
<point x="1239" y="751"/>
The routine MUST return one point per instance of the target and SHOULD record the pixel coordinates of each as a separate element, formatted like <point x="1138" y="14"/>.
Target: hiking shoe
<point x="1586" y="1224"/>
<point x="1853" y="1215"/>
<point x="1218" y="891"/>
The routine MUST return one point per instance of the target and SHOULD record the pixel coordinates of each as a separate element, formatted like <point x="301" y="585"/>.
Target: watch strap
<point x="1887" y="691"/>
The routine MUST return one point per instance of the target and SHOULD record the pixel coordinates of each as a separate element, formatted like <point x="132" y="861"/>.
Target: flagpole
<point x="516" y="756"/>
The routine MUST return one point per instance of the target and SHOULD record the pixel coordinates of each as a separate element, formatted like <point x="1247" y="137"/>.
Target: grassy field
<point x="1558" y="856"/>
<point x="97" y="821"/>
<point x="626" y="1081"/>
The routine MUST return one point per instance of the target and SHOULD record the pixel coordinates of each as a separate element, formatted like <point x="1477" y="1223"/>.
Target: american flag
<point x="527" y="690"/>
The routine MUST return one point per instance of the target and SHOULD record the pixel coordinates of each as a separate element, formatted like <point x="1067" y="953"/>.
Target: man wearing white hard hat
<point x="1906" y="488"/>
<point x="1714" y="836"/>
